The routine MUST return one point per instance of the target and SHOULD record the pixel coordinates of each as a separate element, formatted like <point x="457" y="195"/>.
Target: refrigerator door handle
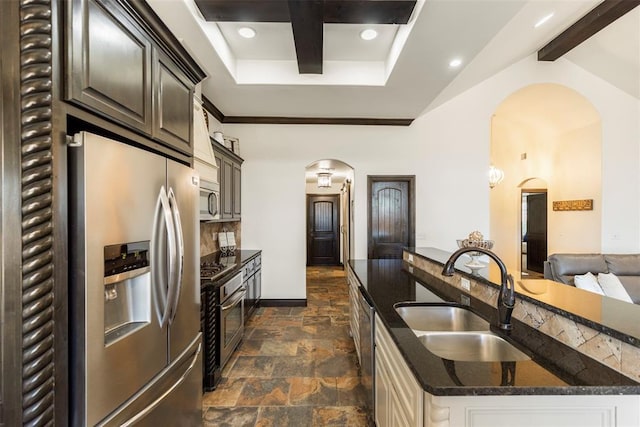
<point x="159" y="279"/>
<point x="140" y="415"/>
<point x="176" y="286"/>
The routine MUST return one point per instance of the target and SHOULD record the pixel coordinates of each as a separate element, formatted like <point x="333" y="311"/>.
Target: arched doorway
<point x="329" y="202"/>
<point x="552" y="133"/>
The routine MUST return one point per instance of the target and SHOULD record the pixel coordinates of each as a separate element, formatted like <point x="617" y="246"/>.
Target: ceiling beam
<point x="368" y="11"/>
<point x="307" y="26"/>
<point x="598" y="18"/>
<point x="334" y="11"/>
<point x="244" y="10"/>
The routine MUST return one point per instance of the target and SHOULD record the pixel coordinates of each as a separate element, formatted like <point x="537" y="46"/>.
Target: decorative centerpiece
<point x="475" y="240"/>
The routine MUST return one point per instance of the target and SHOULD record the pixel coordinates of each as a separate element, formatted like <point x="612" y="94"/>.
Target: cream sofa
<point x="563" y="267"/>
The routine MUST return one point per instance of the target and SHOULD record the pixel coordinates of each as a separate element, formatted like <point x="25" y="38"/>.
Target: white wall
<point x="448" y="152"/>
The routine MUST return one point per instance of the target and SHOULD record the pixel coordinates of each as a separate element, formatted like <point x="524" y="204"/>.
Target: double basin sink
<point x="456" y="333"/>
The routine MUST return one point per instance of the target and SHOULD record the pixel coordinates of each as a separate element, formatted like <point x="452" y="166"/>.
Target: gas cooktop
<point x="211" y="269"/>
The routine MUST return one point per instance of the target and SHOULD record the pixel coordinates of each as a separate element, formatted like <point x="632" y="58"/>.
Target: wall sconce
<point x="324" y="180"/>
<point x="495" y="176"/>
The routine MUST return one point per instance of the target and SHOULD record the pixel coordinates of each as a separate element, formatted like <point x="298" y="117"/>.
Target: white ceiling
<point x="401" y="74"/>
<point x="614" y="53"/>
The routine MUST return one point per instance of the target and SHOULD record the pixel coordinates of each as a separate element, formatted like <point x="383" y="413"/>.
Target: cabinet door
<point x="249" y="297"/>
<point x="409" y="396"/>
<point x="218" y="158"/>
<point x="397" y="415"/>
<point x="258" y="286"/>
<point x="226" y="185"/>
<point x="237" y="180"/>
<point x="382" y="400"/>
<point x="173" y="101"/>
<point x="108" y="63"/>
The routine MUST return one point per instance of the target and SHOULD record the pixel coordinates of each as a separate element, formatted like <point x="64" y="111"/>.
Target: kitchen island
<point x="557" y="386"/>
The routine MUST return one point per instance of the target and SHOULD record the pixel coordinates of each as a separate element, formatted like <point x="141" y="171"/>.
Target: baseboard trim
<point x="283" y="302"/>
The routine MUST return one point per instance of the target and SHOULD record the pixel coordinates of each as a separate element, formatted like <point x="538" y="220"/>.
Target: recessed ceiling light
<point x="543" y="20"/>
<point x="368" y="34"/>
<point x="455" y="63"/>
<point x="247" y="32"/>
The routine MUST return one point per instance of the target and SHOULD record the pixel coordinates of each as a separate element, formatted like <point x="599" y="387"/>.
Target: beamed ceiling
<point x="307" y="63"/>
<point x="307" y="18"/>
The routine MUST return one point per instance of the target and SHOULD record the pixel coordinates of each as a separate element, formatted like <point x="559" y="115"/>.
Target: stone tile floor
<point x="297" y="366"/>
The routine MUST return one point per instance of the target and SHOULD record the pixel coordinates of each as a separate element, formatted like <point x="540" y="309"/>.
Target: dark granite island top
<point x="554" y="368"/>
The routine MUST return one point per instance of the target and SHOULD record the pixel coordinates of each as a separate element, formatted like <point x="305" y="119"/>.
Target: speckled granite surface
<point x="554" y="368"/>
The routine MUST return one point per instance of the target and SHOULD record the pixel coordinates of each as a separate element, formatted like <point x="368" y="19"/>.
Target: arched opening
<point x="546" y="137"/>
<point x="329" y="204"/>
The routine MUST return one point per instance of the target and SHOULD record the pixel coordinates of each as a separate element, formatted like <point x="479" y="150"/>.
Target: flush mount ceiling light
<point x="368" y="34"/>
<point x="324" y="180"/>
<point x="247" y="32"/>
<point x="455" y="63"/>
<point x="495" y="176"/>
<point x="543" y="20"/>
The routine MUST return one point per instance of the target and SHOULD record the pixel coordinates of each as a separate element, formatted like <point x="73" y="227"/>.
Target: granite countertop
<point x="554" y="368"/>
<point x="239" y="257"/>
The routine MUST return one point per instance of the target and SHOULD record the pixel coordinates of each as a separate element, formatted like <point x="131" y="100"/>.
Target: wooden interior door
<point x="323" y="239"/>
<point x="536" y="236"/>
<point x="345" y="226"/>
<point x="391" y="215"/>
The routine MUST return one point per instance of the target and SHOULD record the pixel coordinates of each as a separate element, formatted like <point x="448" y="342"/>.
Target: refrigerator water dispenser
<point x="127" y="290"/>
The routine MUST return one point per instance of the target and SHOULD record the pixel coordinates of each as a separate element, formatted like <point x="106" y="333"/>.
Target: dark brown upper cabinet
<point x="230" y="179"/>
<point x="125" y="65"/>
<point x="173" y="104"/>
<point x="237" y="180"/>
<point x="109" y="64"/>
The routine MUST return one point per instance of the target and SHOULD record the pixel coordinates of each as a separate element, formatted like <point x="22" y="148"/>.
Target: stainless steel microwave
<point x="209" y="200"/>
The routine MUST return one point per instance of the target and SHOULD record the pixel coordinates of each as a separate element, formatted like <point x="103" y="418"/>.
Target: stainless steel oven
<point x="231" y="316"/>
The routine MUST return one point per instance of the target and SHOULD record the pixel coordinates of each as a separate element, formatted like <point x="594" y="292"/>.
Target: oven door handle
<point x="242" y="291"/>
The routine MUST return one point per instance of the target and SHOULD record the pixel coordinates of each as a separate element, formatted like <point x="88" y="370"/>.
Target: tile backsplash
<point x="209" y="235"/>
<point x="610" y="351"/>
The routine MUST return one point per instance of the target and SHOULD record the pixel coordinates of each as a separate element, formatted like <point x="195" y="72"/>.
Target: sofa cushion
<point x="632" y="286"/>
<point x="565" y="266"/>
<point x="623" y="264"/>
<point x="588" y="282"/>
<point x="612" y="287"/>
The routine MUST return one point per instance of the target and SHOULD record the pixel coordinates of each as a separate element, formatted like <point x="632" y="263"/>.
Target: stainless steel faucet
<point x="506" y="297"/>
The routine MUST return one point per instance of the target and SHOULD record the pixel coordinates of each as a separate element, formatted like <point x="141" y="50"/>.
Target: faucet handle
<point x="508" y="293"/>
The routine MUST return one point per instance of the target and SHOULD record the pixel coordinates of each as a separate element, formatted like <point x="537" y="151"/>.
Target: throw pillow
<point x="612" y="287"/>
<point x="588" y="282"/>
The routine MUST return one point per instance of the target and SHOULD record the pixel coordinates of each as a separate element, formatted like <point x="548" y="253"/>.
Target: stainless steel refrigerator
<point x="134" y="287"/>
